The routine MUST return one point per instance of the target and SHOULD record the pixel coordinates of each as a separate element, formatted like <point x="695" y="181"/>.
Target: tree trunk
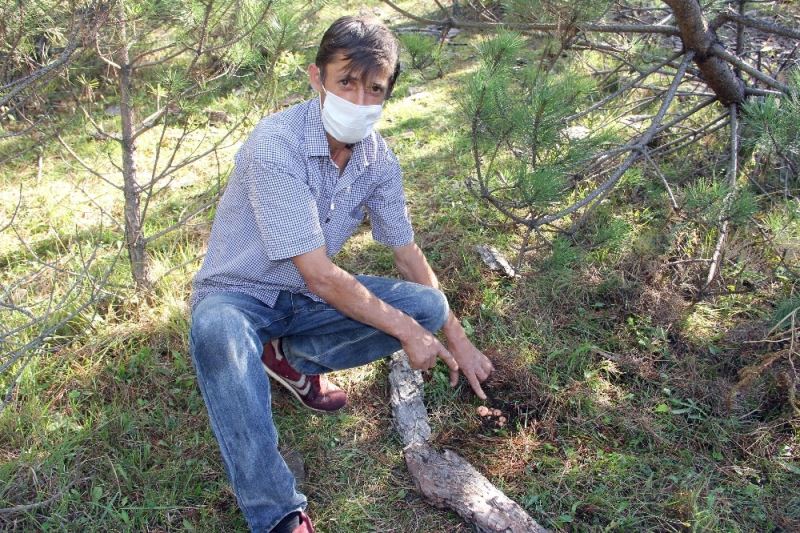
<point x="699" y="37"/>
<point x="134" y="235"/>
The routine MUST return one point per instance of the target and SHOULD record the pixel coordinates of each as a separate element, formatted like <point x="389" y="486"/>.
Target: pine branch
<point x="717" y="50"/>
<point x="636" y="151"/>
<point x="17" y="86"/>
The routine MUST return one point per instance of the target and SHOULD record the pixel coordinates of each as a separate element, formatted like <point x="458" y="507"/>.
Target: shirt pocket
<point x="358" y="213"/>
<point x="353" y="219"/>
<point x="342" y="225"/>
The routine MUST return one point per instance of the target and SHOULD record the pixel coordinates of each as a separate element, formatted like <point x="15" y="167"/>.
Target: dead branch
<point x="759" y="24"/>
<point x="182" y="222"/>
<point x="733" y="172"/>
<point x="98" y="129"/>
<point x="683" y="116"/>
<point x="103" y="211"/>
<point x="24" y="508"/>
<point x="445" y="479"/>
<point x="84" y="28"/>
<point x="587" y="27"/>
<point x="691" y="137"/>
<point x="14" y="214"/>
<point x="663" y="179"/>
<point x="43" y="73"/>
<point x="157" y="50"/>
<point x="720" y="52"/>
<point x="186" y="263"/>
<point x="44" y="319"/>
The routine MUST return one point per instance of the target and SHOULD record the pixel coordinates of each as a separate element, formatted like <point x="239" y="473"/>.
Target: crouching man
<point x="268" y="296"/>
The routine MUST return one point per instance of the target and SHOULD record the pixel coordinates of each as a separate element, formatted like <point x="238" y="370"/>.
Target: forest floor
<point x="618" y="389"/>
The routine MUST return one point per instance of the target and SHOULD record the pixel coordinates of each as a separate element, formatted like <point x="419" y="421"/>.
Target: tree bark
<point x="698" y="36"/>
<point x="445" y="479"/>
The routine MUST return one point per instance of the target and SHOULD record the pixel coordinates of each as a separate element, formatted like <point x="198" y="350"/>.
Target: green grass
<point x="613" y="376"/>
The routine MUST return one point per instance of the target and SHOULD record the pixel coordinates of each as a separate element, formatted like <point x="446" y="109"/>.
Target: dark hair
<point x="366" y="43"/>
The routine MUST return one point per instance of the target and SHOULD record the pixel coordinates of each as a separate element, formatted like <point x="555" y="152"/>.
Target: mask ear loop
<point x="322" y="86"/>
<point x="320" y="96"/>
<point x="322" y="81"/>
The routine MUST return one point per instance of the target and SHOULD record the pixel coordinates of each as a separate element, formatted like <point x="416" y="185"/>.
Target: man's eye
<point x="344" y="83"/>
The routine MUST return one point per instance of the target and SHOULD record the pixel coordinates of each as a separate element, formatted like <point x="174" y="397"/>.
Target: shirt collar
<point x="364" y="151"/>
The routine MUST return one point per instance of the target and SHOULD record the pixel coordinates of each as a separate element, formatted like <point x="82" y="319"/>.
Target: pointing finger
<point x="476" y="385"/>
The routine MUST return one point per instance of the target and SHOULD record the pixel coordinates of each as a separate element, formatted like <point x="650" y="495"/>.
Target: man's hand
<point x="475" y="366"/>
<point x="422" y="349"/>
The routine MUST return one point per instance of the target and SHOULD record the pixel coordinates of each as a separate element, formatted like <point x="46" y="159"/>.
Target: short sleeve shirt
<point x="285" y="197"/>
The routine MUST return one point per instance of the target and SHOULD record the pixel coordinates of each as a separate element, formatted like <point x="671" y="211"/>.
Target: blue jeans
<point x="227" y="337"/>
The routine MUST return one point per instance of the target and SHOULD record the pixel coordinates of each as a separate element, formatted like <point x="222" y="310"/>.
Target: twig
<point x="183" y="220"/>
<point x="663" y="178"/>
<point x="98" y="128"/>
<point x="22" y="508"/>
<point x="14" y="214"/>
<point x="691" y="137"/>
<point x="733" y="172"/>
<point x="182" y="265"/>
<point x="85" y="165"/>
<point x="25" y="352"/>
<point x="683" y="261"/>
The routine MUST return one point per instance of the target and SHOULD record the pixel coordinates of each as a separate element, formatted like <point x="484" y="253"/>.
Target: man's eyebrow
<point x="350" y="76"/>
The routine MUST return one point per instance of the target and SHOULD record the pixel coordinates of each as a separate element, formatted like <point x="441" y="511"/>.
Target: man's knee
<point x="218" y="329"/>
<point x="434" y="309"/>
<point x="209" y="321"/>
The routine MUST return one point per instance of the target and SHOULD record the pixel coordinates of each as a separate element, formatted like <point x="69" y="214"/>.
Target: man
<point x="268" y="296"/>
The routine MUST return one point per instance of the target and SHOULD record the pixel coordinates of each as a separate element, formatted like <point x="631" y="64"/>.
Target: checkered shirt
<point x="285" y="197"/>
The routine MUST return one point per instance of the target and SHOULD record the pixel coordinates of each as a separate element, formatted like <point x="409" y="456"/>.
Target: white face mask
<point x="348" y="122"/>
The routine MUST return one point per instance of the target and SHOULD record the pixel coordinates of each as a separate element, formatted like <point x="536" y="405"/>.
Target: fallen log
<point x="446" y="480"/>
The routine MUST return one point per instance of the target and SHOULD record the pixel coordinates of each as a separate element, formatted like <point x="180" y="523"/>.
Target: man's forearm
<point x="344" y="292"/>
<point x="413" y="266"/>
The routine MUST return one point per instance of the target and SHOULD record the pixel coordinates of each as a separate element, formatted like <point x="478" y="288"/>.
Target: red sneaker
<point x="315" y="392"/>
<point x="305" y="524"/>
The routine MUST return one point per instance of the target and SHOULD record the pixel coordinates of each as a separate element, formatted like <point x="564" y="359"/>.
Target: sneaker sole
<point x="291" y="389"/>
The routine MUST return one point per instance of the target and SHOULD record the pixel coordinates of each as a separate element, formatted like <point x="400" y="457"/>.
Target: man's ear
<point x="314" y="77"/>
